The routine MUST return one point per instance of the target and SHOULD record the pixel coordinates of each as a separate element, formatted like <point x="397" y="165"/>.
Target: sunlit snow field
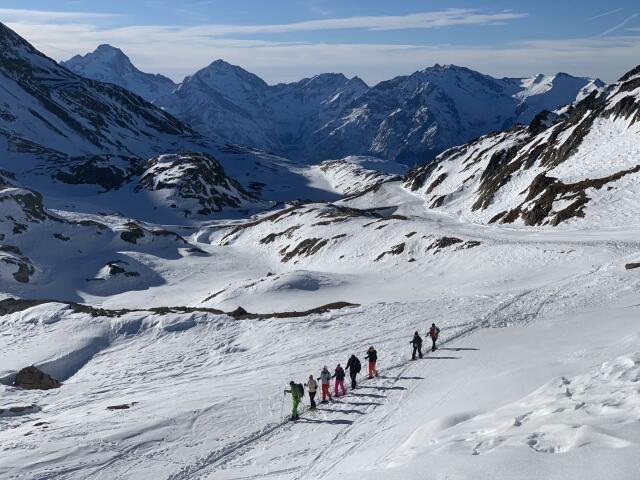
<point x="537" y="373"/>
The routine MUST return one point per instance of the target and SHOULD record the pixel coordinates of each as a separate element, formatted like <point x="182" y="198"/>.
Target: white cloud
<point x="439" y="19"/>
<point x="37" y="16"/>
<point x="425" y="20"/>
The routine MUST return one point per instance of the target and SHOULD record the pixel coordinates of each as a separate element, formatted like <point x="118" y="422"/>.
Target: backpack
<point x="357" y="365"/>
<point x="300" y="388"/>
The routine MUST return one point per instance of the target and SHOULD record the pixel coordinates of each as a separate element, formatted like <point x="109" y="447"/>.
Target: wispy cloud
<point x="606" y="14"/>
<point x="619" y="25"/>
<point x="317" y="9"/>
<point x="426" y="20"/>
<point x="37" y="16"/>
<point x="423" y="20"/>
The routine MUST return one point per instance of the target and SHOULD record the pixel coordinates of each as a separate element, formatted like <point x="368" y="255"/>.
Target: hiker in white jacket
<point x="312" y="387"/>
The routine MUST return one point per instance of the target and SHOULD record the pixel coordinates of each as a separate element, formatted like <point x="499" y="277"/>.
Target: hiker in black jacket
<point x="372" y="356"/>
<point x="354" y="367"/>
<point x="416" y="342"/>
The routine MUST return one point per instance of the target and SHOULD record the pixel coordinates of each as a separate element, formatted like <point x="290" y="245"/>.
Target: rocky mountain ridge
<point x="409" y="118"/>
<point x="558" y="169"/>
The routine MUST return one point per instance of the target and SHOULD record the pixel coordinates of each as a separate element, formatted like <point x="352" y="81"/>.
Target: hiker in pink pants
<point x="339" y="376"/>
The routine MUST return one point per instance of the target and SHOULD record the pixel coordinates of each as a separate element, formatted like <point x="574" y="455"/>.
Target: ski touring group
<point x="296" y="390"/>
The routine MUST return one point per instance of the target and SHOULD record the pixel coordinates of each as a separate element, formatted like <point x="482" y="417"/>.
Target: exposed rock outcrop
<point x="31" y="378"/>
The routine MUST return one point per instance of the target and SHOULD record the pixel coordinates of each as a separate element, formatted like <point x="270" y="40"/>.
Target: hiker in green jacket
<point x="296" y="395"/>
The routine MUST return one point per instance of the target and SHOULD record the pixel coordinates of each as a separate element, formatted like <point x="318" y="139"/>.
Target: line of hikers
<point x="354" y="366"/>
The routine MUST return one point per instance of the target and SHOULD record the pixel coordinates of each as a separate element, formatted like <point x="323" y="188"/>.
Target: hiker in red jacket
<point x="434" y="332"/>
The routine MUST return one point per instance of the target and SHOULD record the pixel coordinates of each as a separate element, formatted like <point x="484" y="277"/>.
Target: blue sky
<point x="284" y="40"/>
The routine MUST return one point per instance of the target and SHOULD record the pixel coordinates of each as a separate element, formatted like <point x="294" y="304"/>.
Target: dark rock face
<point x="22" y="410"/>
<point x="307" y="247"/>
<point x="31" y="378"/>
<point x="18" y="259"/>
<point x="631" y="266"/>
<point x="11" y="305"/>
<point x="31" y="203"/>
<point x="107" y="171"/>
<point x="123" y="406"/>
<point x="395" y="250"/>
<point x="239" y="312"/>
<point x="132" y="233"/>
<point x="444" y="242"/>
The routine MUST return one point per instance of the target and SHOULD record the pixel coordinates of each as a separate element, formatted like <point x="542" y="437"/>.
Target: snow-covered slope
<point x="581" y="165"/>
<point x="69" y="252"/>
<point x="518" y="313"/>
<point x="110" y="65"/>
<point x="354" y="174"/>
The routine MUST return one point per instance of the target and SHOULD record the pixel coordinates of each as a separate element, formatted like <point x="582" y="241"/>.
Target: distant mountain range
<point x="409" y="118"/>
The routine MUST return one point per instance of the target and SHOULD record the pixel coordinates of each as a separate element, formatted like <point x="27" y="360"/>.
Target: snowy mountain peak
<point x="631" y="74"/>
<point x="110" y="64"/>
<point x="115" y="53"/>
<point x="221" y="75"/>
<point x="46" y="105"/>
<point x="105" y="59"/>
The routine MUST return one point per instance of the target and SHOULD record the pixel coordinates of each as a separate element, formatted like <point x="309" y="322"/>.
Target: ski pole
<point x="282" y="407"/>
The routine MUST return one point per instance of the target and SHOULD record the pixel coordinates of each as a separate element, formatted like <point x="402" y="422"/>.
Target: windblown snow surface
<point x="537" y="375"/>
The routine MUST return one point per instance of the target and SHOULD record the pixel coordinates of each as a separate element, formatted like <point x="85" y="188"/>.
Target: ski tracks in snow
<point x="522" y="309"/>
<point x="317" y="466"/>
